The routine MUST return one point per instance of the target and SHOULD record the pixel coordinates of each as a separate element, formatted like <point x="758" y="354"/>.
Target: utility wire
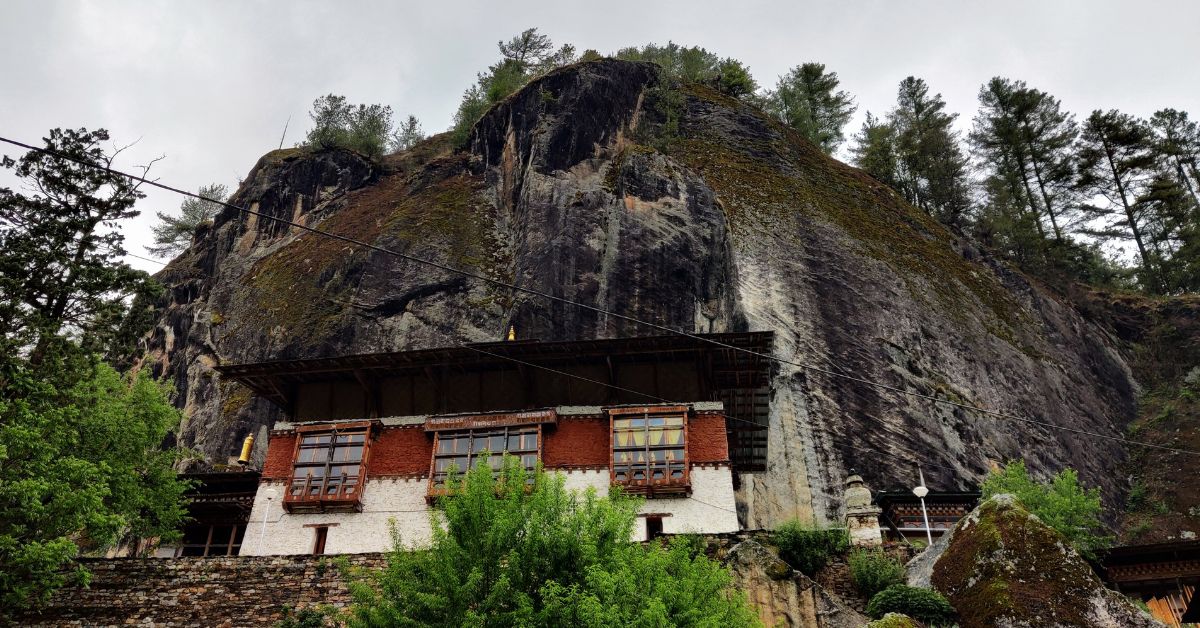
<point x="592" y="308"/>
<point x="670" y="402"/>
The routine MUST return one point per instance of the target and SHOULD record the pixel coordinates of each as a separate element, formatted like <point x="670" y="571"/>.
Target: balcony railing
<point x="324" y="494"/>
<point x="658" y="479"/>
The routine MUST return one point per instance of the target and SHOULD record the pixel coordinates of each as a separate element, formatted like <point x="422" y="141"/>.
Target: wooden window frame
<point x="320" y="539"/>
<point x="668" y="487"/>
<point x="229" y="548"/>
<point x="437" y="488"/>
<point x="347" y="493"/>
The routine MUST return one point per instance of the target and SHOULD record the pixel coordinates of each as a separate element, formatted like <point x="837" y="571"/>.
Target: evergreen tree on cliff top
<point x="807" y="99"/>
<point x="1116" y="162"/>
<point x="520" y="550"/>
<point x="80" y="463"/>
<point x="1022" y="133"/>
<point x="916" y="151"/>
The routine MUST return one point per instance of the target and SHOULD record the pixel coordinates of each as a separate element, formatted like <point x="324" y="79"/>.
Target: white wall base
<point x="710" y="509"/>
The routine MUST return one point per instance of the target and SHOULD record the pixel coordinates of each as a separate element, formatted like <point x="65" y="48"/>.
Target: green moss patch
<point x="772" y="184"/>
<point x="1009" y="564"/>
<point x="305" y="287"/>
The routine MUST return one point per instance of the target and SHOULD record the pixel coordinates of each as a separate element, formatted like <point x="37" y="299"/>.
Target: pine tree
<point x="874" y="150"/>
<point x="808" y="100"/>
<point x="408" y="134"/>
<point x="1116" y="161"/>
<point x="1025" y="129"/>
<point x="173" y="234"/>
<point x="61" y="276"/>
<point x="1177" y="140"/>
<point x="932" y="169"/>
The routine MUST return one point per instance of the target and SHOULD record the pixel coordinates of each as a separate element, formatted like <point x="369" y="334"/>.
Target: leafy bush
<point x="339" y="124"/>
<point x="924" y="605"/>
<point x="872" y="571"/>
<point x="518" y="549"/>
<point x="807" y="548"/>
<point x="1061" y="503"/>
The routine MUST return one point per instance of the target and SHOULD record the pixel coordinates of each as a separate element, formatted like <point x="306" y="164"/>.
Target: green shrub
<point x="894" y="620"/>
<point x="1072" y="510"/>
<point x="924" y="605"/>
<point x="303" y="618"/>
<point x="807" y="549"/>
<point x="872" y="571"/>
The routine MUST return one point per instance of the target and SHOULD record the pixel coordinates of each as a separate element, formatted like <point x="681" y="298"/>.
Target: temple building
<point x="369" y="439"/>
<point x="903" y="520"/>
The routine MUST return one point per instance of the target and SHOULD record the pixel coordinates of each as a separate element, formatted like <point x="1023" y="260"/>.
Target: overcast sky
<point x="211" y="84"/>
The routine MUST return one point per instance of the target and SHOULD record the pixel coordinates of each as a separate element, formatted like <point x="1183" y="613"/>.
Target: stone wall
<point x="232" y="591"/>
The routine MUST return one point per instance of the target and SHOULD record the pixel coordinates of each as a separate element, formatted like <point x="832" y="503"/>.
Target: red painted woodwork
<point x="400" y="451"/>
<point x="281" y="449"/>
<point x="707" y="442"/>
<point x="577" y="442"/>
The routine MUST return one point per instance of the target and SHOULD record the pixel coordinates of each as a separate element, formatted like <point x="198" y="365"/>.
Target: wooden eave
<point x="730" y="368"/>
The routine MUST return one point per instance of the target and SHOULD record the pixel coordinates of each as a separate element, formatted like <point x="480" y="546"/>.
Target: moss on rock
<point x="1004" y="566"/>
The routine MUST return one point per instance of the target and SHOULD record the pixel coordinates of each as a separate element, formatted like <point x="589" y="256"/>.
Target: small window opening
<point x="654" y="528"/>
<point x="319" y="544"/>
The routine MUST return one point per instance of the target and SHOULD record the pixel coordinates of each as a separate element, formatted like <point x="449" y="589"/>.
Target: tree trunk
<point x="1132" y="220"/>
<point x="1187" y="182"/>
<point x="1037" y="213"/>
<point x="1037" y="173"/>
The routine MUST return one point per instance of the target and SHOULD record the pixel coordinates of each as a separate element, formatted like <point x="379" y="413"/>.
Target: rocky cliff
<point x="602" y="183"/>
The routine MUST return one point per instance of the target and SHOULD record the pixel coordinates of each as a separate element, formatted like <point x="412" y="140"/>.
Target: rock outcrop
<point x="675" y="204"/>
<point x="1004" y="567"/>
<point x="782" y="596"/>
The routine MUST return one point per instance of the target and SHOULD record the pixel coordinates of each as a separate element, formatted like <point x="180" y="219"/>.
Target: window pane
<point x="338" y="471"/>
<point x="480" y="444"/>
<point x="529" y="460"/>
<point x="348" y="453"/>
<point x="221" y="535"/>
<point x="496" y="443"/>
<point x="529" y="441"/>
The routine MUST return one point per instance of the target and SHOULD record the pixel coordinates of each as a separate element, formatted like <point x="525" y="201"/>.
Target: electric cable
<point x="598" y="310"/>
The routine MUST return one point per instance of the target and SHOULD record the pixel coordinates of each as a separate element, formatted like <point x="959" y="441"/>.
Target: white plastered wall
<point x="710" y="509"/>
<point x="384" y="500"/>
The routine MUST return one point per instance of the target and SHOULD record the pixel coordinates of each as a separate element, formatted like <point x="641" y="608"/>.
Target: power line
<point x="144" y="259"/>
<point x="670" y="402"/>
<point x="592" y="308"/>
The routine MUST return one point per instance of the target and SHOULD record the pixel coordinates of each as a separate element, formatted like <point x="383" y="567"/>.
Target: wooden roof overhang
<point x="729" y="368"/>
<point x="1167" y="563"/>
<point x="221" y="495"/>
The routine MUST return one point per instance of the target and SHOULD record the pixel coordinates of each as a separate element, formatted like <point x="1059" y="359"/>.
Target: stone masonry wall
<point x="218" y="592"/>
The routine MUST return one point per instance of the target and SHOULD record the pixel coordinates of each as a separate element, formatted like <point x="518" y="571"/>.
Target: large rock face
<point x="1004" y="567"/>
<point x="783" y="597"/>
<point x="676" y="205"/>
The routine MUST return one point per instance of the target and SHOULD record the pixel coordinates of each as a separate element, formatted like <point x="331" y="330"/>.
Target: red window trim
<point x="435" y="490"/>
<point x="339" y="501"/>
<point x="666" y="488"/>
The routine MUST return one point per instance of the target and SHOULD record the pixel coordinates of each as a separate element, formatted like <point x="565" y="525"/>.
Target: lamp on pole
<point x="921" y="491"/>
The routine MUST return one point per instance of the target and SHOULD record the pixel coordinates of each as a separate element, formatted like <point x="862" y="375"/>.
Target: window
<point x="459" y="449"/>
<point x="649" y="452"/>
<point x="327" y="471"/>
<point x="654" y="527"/>
<point x="202" y="539"/>
<point x="322" y="533"/>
